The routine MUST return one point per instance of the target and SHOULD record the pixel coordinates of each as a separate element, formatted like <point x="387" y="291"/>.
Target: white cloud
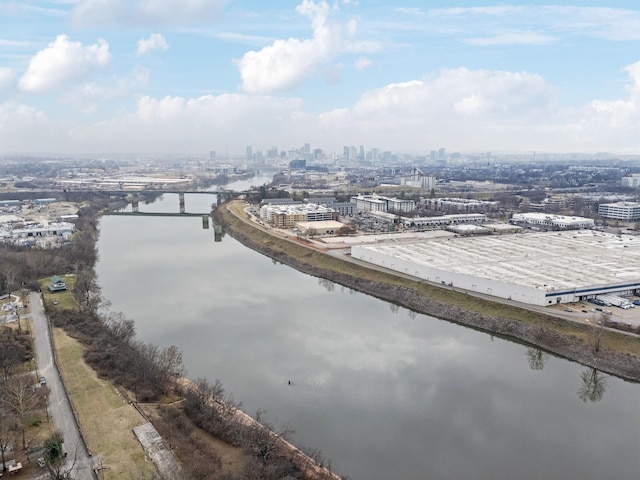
<point x="538" y="24"/>
<point x="20" y="125"/>
<point x="154" y="13"/>
<point x="63" y="62"/>
<point x="362" y="63"/>
<point x="177" y="124"/>
<point x="284" y="64"/>
<point x="154" y="42"/>
<point x="7" y="79"/>
<point x="511" y="38"/>
<point x="90" y="96"/>
<point x="461" y="108"/>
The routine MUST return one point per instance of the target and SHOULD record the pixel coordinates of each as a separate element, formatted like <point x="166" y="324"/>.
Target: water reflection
<point x="537" y="358"/>
<point x="328" y="285"/>
<point x="594" y="384"/>
<point x="383" y="395"/>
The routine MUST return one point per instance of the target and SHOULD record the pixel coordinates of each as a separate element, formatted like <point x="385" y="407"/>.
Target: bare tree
<point x="12" y="353"/>
<point x="594" y="384"/>
<point x="19" y="398"/>
<point x="87" y="291"/>
<point x="170" y="365"/>
<point x="598" y="331"/>
<point x="262" y="438"/>
<point x="8" y="427"/>
<point x="121" y="328"/>
<point x="537" y="358"/>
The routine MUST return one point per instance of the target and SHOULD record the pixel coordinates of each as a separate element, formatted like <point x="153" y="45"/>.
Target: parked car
<point x="636" y="302"/>
<point x="43" y="381"/>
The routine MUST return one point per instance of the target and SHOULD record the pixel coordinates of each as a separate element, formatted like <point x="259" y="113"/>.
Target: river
<point x="384" y="393"/>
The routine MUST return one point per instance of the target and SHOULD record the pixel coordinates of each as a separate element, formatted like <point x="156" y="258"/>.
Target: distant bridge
<point x="135" y="196"/>
<point x="157" y="214"/>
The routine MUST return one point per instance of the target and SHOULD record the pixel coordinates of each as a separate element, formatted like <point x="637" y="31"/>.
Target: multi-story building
<point x="376" y="203"/>
<point x="286" y="216"/>
<point x="625" y="211"/>
<point x="631" y="181"/>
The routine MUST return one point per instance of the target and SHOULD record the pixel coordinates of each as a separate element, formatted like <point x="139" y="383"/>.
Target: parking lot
<point x="590" y="313"/>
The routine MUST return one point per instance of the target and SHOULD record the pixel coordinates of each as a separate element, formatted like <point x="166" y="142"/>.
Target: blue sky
<point x="189" y="76"/>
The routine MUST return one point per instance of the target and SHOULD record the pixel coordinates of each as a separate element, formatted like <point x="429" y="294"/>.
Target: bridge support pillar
<point x="181" y="198"/>
<point x="134" y="204"/>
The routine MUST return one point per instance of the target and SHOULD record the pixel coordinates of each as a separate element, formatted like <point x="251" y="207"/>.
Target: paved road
<point x="59" y="406"/>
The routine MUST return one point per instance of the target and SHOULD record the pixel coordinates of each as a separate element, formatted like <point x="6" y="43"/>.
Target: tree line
<point x="151" y="373"/>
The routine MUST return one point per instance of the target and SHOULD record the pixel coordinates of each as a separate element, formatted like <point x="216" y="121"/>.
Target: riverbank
<point x="605" y="350"/>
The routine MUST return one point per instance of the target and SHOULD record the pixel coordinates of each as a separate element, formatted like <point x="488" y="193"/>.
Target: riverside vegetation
<point x="205" y="429"/>
<point x="592" y="345"/>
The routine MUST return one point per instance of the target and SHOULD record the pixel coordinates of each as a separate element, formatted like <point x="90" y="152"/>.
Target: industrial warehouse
<point x="533" y="268"/>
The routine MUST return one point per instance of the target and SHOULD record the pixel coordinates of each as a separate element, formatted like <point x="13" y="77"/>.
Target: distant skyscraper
<point x="441" y="153"/>
<point x="345" y="152"/>
<point x="249" y="153"/>
<point x="212" y="155"/>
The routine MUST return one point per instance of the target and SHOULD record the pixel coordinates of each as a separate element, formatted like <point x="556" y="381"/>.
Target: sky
<point x="191" y="76"/>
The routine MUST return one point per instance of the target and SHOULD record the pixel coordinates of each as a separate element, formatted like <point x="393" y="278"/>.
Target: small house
<point x="57" y="284"/>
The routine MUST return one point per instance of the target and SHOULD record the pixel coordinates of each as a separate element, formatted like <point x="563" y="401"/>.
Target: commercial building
<point x="460" y="205"/>
<point x="541" y="268"/>
<point x="631" y="181"/>
<point x="558" y="222"/>
<point x="286" y="216"/>
<point x="377" y="203"/>
<point x="625" y="211"/>
<point x="443" y="220"/>
<point x="327" y="227"/>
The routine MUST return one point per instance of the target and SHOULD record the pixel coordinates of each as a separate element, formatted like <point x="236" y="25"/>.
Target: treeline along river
<point x="384" y="393"/>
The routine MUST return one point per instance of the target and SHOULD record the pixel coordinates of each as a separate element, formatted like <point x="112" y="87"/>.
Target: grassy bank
<point x="106" y="418"/>
<point x="617" y="353"/>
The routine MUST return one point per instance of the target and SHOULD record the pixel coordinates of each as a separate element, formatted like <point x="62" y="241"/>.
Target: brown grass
<point x="106" y="418"/>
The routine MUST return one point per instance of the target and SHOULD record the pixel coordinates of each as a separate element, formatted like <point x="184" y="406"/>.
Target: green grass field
<point x="64" y="299"/>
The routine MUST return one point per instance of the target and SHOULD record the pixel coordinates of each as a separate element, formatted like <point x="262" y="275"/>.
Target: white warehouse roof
<point x="570" y="261"/>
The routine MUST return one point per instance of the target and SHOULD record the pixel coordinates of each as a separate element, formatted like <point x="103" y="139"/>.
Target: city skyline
<point x="162" y="76"/>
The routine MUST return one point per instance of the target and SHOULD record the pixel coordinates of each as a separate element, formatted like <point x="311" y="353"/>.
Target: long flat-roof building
<point x="561" y="222"/>
<point x="535" y="268"/>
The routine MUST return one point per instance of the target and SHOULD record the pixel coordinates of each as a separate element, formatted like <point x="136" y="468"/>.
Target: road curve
<point x="78" y="459"/>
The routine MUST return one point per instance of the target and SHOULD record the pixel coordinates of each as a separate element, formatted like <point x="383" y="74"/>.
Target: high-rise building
<point x="249" y="153"/>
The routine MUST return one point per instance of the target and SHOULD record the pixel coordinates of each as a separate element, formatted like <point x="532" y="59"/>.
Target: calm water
<point x="384" y="393"/>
